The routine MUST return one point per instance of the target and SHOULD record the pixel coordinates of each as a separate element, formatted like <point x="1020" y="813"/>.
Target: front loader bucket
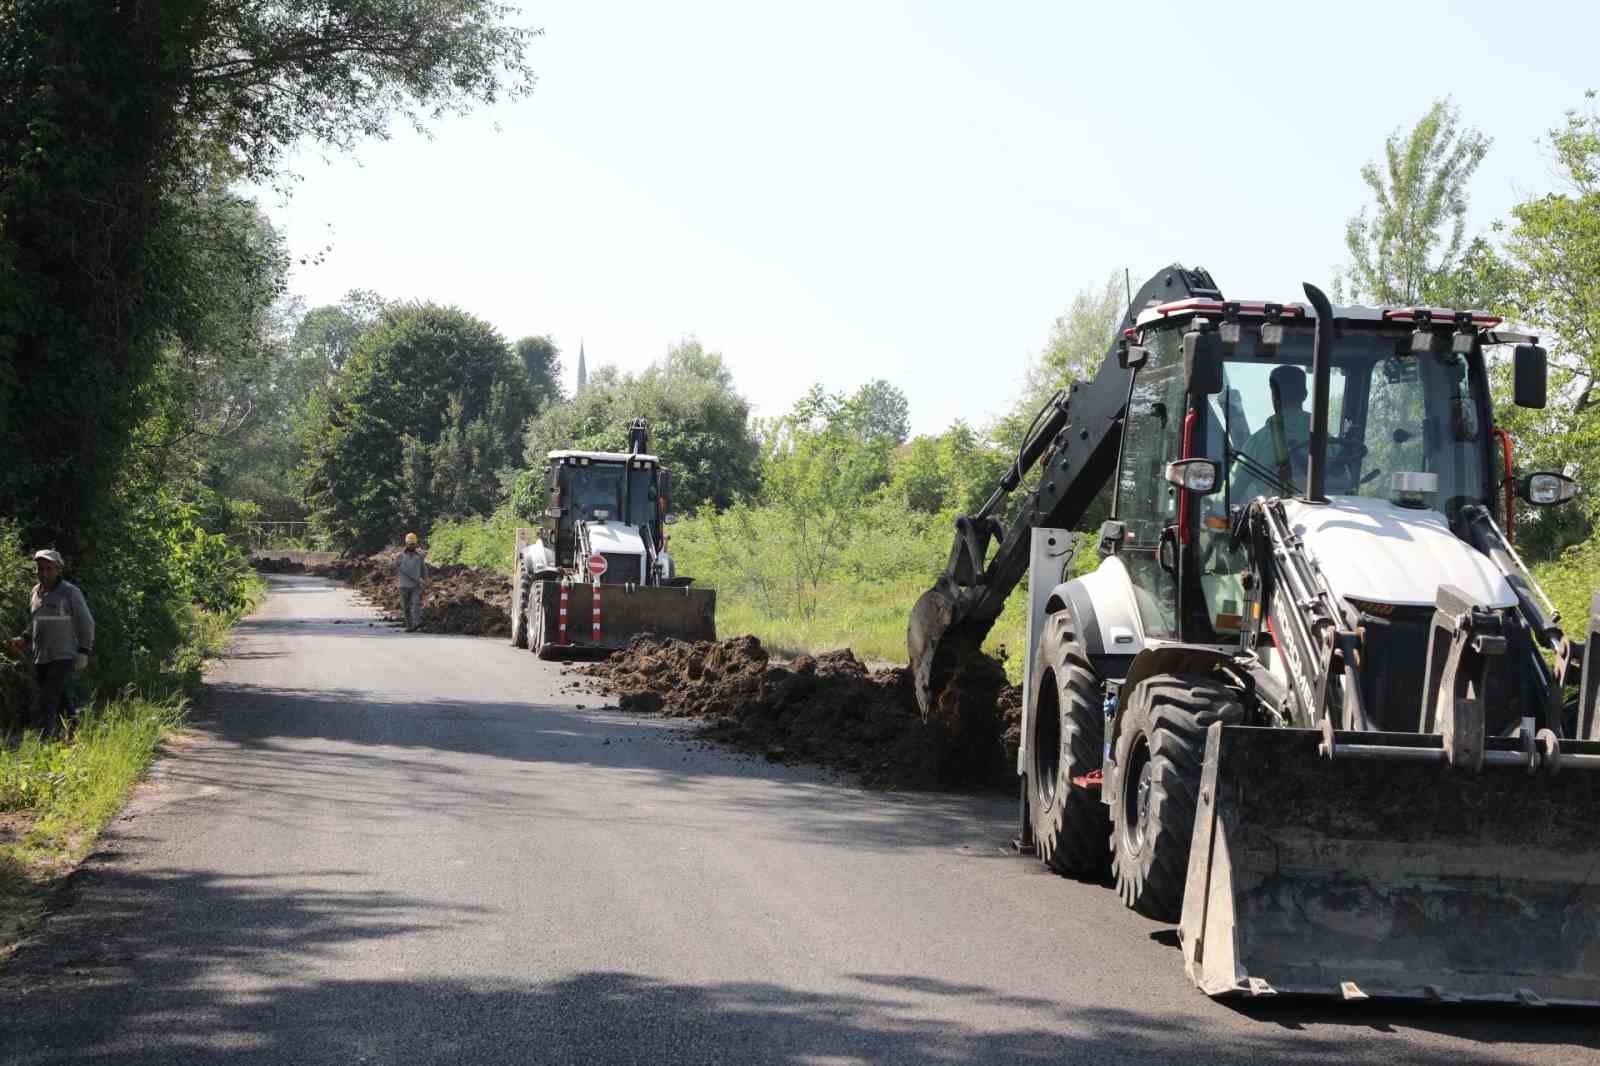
<point x="1382" y="872"/>
<point x="625" y="612"/>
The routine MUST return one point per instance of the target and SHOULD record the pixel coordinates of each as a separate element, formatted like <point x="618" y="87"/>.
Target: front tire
<point x="1070" y="826"/>
<point x="1161" y="744"/>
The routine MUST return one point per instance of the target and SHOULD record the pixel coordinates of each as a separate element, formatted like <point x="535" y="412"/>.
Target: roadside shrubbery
<point x="485" y="543"/>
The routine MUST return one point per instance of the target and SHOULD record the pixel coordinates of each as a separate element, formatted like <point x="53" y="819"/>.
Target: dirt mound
<point x="828" y="709"/>
<point x="278" y="566"/>
<point x="458" y="599"/>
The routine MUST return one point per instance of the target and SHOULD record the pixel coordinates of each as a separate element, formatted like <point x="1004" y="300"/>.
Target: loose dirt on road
<point x="459" y="599"/>
<point x="278" y="566"/>
<point x="828" y="709"/>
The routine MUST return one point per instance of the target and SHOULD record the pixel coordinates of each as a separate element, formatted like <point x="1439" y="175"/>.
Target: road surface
<point x="392" y="848"/>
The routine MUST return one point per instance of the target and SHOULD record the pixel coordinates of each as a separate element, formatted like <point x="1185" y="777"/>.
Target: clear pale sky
<point x="841" y="191"/>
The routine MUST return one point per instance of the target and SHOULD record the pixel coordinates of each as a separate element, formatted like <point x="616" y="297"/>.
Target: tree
<point x="425" y="421"/>
<point x="880" y="411"/>
<point x="949" y="474"/>
<point x="541" y="359"/>
<point x="699" y="426"/>
<point x="1079" y="340"/>
<point x="1409" y="247"/>
<point x="114" y="120"/>
<point x="1552" y="283"/>
<point x="326" y="335"/>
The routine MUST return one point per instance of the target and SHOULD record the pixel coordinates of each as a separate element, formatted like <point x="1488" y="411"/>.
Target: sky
<point x="838" y="192"/>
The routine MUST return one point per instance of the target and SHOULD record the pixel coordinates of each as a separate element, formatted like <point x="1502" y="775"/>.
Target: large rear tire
<point x="1160" y="746"/>
<point x="1067" y="743"/>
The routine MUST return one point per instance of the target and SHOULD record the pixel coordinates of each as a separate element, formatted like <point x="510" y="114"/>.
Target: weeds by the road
<point x="869" y="619"/>
<point x="57" y="794"/>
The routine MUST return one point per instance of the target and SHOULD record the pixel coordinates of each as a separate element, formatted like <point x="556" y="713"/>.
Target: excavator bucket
<point x="1366" y="864"/>
<point x="932" y="658"/>
<point x="609" y="620"/>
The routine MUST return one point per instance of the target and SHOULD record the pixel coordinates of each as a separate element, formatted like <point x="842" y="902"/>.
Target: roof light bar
<point x="1428" y="314"/>
<point x="1202" y="305"/>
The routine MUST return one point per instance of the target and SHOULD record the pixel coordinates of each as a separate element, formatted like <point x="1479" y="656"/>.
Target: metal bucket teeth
<point x="1369" y="877"/>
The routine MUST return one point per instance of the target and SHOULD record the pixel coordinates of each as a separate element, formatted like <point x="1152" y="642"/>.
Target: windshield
<point x="1388" y="411"/>
<point x="597" y="493"/>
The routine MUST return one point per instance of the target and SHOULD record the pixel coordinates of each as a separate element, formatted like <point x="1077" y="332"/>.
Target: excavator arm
<point x="1074" y="441"/>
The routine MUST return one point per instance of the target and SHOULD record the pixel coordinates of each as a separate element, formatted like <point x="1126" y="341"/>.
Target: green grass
<point x="869" y="619"/>
<point x="72" y="787"/>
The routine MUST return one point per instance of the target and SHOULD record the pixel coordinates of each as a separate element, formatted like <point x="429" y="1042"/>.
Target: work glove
<point x="80" y="662"/>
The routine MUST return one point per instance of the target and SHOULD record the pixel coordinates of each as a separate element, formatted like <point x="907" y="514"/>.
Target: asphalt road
<point x="392" y="848"/>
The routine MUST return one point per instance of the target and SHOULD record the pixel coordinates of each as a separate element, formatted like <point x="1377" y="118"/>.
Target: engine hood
<point x="1371" y="549"/>
<point x="614" y="538"/>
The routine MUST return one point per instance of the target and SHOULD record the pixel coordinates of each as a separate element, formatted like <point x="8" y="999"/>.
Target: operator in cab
<point x="1280" y="447"/>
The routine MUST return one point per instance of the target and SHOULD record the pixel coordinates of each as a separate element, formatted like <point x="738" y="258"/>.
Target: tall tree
<point x="699" y="426"/>
<point x="325" y="336"/>
<point x="423" y="422"/>
<point x="541" y="359"/>
<point x="1409" y="246"/>
<point x="1078" y="342"/>
<point x="1552" y="282"/>
<point x="879" y="410"/>
<point x="112" y="118"/>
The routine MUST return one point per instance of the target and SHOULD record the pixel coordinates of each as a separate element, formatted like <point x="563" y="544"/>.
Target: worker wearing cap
<point x="412" y="572"/>
<point x="60" y="637"/>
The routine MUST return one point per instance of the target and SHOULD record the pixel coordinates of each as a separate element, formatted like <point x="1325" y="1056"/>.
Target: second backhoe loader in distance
<point x="1303" y="706"/>
<point x="598" y="573"/>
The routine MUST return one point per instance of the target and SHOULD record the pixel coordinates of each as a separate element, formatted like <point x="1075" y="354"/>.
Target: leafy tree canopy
<point x="541" y="359"/>
<point x="424" y="421"/>
<point x="1550" y="276"/>
<point x="1409" y="246"/>
<point x="699" y="425"/>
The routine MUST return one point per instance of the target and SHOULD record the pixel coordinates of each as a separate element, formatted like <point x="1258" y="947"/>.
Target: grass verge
<point x="56" y="795"/>
<point x="869" y="619"/>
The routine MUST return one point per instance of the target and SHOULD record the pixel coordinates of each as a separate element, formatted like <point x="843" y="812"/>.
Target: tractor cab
<point x="603" y="488"/>
<point x="1223" y="412"/>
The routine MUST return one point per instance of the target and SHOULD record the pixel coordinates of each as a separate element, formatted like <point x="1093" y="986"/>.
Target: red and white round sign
<point x="597" y="564"/>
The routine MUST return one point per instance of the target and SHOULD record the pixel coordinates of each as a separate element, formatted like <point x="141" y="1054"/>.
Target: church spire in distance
<point x="583" y="370"/>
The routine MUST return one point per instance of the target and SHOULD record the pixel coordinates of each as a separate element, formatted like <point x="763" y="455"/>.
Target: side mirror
<point x="1132" y="356"/>
<point x="1528" y="373"/>
<point x="1196" y="475"/>
<point x="1545" y="489"/>
<point x="1202" y="361"/>
<point x="552" y="507"/>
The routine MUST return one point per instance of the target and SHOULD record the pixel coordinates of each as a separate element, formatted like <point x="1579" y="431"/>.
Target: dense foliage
<point x="140" y="319"/>
<point x="699" y="426"/>
<point x="424" y="420"/>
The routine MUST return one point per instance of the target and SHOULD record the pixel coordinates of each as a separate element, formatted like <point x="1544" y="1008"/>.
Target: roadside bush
<point x="17" y="577"/>
<point x="1571" y="581"/>
<point x="486" y="543"/>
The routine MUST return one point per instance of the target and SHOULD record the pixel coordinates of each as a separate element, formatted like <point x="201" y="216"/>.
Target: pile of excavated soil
<point x="458" y="599"/>
<point x="278" y="566"/>
<point x="828" y="709"/>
